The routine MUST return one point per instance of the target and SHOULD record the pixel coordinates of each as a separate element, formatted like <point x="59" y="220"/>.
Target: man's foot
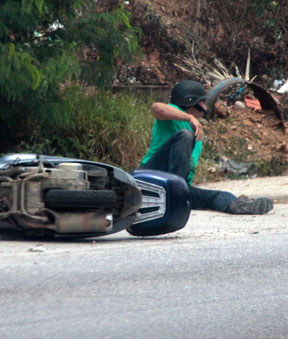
<point x="253" y="206"/>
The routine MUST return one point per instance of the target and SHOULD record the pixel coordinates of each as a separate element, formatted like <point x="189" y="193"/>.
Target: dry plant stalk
<point x="210" y="73"/>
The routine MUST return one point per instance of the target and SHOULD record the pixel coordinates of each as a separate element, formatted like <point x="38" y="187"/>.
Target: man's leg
<point x="212" y="200"/>
<point x="226" y="202"/>
<point x="174" y="156"/>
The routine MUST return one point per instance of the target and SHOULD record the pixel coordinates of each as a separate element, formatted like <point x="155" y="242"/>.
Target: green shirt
<point x="164" y="129"/>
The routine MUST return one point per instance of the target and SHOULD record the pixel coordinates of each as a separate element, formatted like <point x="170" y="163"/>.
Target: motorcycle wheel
<point x="79" y="198"/>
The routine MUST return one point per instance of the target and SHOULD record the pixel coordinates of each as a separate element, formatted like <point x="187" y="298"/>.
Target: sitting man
<point x="177" y="143"/>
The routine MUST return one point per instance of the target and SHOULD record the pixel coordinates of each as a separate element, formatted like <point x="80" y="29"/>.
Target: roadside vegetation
<point x="106" y="127"/>
<point x="58" y="60"/>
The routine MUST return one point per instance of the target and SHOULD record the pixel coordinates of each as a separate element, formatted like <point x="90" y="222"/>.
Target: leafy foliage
<point x="109" y="37"/>
<point x="113" y="128"/>
<point x="44" y="45"/>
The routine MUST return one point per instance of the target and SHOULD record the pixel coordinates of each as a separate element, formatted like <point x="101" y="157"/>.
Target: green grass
<point x="106" y="127"/>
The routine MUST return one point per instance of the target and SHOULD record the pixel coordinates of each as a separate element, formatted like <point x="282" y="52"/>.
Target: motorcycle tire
<point x="79" y="198"/>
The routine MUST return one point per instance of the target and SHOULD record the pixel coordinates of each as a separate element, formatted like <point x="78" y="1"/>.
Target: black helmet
<point x="187" y="93"/>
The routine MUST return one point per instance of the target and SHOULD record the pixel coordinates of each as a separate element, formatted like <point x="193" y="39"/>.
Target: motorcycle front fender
<point x="177" y="205"/>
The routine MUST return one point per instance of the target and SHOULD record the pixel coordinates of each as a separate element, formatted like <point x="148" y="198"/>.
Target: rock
<point x="212" y="169"/>
<point x="283" y="147"/>
<point x="233" y="166"/>
<point x="37" y="249"/>
<point x="255" y="120"/>
<point x="221" y="110"/>
<point x="239" y="105"/>
<point x="247" y="122"/>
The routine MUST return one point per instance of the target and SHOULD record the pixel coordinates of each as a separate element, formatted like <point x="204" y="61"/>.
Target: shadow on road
<point x="19" y="236"/>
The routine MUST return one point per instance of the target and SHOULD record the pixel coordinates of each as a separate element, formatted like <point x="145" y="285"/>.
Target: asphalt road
<point x="220" y="277"/>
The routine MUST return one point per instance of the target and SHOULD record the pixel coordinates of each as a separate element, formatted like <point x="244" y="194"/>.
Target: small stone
<point x="37" y="249"/>
<point x="221" y="110"/>
<point x="239" y="105"/>
<point x="212" y="169"/>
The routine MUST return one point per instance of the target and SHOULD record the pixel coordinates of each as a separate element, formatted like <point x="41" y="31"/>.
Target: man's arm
<point x="163" y="111"/>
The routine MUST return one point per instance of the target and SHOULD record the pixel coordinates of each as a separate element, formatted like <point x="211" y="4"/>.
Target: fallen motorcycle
<point x="65" y="197"/>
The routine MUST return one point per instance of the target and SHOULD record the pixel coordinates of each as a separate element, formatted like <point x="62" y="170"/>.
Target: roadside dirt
<point x="180" y="39"/>
<point x="246" y="135"/>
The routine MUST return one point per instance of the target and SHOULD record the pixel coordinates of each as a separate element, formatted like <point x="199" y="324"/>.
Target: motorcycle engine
<point x="67" y="176"/>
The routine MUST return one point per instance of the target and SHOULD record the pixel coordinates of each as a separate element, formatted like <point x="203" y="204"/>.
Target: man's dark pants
<point x="174" y="156"/>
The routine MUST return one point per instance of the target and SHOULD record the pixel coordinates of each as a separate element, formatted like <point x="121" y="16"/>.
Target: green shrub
<point x="106" y="127"/>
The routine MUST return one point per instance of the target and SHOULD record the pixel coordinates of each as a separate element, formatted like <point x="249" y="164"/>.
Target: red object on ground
<point x="252" y="103"/>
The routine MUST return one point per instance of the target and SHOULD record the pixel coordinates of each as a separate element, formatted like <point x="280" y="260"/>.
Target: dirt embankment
<point x="183" y="41"/>
<point x="247" y="135"/>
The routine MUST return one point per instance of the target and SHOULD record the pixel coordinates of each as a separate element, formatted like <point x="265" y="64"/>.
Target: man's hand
<point x="197" y="127"/>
